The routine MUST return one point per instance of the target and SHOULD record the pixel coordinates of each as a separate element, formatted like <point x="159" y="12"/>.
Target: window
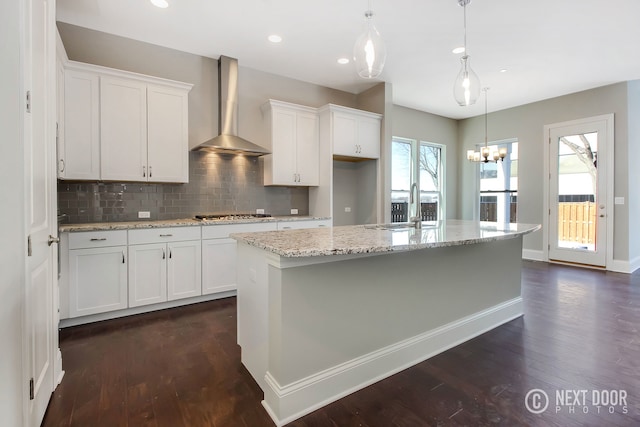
<point x="499" y="186"/>
<point x="420" y="163"/>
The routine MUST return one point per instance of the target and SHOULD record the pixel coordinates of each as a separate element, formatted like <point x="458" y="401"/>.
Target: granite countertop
<point x="360" y="239"/>
<point x="185" y="222"/>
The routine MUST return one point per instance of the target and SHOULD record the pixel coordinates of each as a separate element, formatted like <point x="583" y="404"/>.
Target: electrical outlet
<point x="294" y="211"/>
<point x="260" y="211"/>
<point x="144" y="214"/>
<point x="619" y="201"/>
<point x="347" y="209"/>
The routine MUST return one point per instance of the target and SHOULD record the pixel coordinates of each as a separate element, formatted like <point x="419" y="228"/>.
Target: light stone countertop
<point x="185" y="222"/>
<point x="361" y="239"/>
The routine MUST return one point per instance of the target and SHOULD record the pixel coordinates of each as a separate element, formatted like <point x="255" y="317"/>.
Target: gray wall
<point x="12" y="223"/>
<point x="633" y="199"/>
<point x="526" y="123"/>
<point x="421" y="126"/>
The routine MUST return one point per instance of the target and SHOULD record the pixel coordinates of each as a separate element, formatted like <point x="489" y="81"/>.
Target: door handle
<point x="53" y="240"/>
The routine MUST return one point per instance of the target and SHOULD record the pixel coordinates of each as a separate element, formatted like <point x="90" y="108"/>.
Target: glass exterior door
<point x="577" y="196"/>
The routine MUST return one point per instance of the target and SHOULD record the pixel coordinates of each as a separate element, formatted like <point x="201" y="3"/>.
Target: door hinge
<point x="28" y="101"/>
<point x="31" y="391"/>
<point x="29" y="246"/>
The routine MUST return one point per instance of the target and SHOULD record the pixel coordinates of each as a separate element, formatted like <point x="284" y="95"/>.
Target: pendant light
<point x="369" y="53"/>
<point x="466" y="89"/>
<point x="485" y="154"/>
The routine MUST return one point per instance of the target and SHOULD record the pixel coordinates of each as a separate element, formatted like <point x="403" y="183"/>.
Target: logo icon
<point x="536" y="401"/>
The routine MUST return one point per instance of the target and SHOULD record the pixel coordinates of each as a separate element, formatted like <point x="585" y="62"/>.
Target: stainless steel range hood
<point x="228" y="140"/>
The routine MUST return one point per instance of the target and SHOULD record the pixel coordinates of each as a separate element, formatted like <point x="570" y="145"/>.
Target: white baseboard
<point x="628" y="267"/>
<point x="65" y="323"/>
<point x="297" y="399"/>
<point x="533" y="255"/>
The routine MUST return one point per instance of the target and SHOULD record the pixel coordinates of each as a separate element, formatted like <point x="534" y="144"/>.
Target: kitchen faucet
<point x="417" y="218"/>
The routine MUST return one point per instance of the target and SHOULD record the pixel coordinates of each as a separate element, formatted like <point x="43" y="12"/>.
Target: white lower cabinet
<point x="97" y="272"/>
<point x="103" y="271"/>
<point x="299" y="224"/>
<point x="219" y="260"/>
<point x="160" y="271"/>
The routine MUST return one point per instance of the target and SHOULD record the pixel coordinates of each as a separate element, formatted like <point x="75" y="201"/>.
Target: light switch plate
<point x="294" y="211"/>
<point x="259" y="211"/>
<point x="144" y="214"/>
<point x="347" y="209"/>
<point x="619" y="200"/>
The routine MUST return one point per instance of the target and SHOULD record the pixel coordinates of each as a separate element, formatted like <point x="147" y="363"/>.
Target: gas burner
<point x="229" y="217"/>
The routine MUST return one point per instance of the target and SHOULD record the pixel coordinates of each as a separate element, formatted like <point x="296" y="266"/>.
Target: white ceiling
<point x="549" y="47"/>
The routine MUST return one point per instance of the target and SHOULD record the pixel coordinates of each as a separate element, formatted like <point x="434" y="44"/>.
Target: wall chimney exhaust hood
<point x="228" y="140"/>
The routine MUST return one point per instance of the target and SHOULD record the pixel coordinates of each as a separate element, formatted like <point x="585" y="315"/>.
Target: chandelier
<point x="485" y="154"/>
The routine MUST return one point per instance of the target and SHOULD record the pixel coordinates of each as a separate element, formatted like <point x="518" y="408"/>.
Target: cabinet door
<point x="97" y="280"/>
<point x="79" y="155"/>
<point x="184" y="273"/>
<point x="147" y="274"/>
<point x="167" y="138"/>
<point x="307" y="149"/>
<point x="345" y="135"/>
<point x="219" y="265"/>
<point x="283" y="148"/>
<point x="123" y="129"/>
<point x="369" y="138"/>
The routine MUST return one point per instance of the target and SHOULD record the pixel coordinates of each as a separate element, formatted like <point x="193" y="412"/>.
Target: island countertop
<point x="380" y="238"/>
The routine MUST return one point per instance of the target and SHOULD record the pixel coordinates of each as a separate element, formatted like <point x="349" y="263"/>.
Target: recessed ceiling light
<point x="274" y="38"/>
<point x="160" y="3"/>
<point x="504" y="70"/>
<point x="343" y="61"/>
<point x="458" y="50"/>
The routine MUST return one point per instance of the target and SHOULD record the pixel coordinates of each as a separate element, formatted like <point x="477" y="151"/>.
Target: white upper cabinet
<point x="294" y="136"/>
<point x="79" y="127"/>
<point x="355" y="133"/>
<point x="121" y="126"/>
<point x="168" y="134"/>
<point x="123" y="129"/>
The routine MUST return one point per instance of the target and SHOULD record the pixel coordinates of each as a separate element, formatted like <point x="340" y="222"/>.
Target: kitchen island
<point x="325" y="312"/>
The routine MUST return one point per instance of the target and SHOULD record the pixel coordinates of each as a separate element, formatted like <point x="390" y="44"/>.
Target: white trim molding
<point x="301" y="397"/>
<point x="533" y="255"/>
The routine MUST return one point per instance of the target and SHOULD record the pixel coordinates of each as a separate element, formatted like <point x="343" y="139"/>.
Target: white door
<point x="168" y="133"/>
<point x="184" y="270"/>
<point x="123" y="129"/>
<point x="39" y="139"/>
<point x="147" y="274"/>
<point x="578" y="190"/>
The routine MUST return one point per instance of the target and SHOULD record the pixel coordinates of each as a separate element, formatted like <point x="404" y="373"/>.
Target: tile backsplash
<point x="218" y="183"/>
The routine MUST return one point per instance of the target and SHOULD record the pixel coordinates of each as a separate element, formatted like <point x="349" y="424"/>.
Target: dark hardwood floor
<point x="181" y="367"/>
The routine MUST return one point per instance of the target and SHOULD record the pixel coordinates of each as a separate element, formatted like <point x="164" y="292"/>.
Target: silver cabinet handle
<point x="101" y="239"/>
<point x="144" y="171"/>
<point x="150" y="172"/>
<point x="123" y="257"/>
<point x="286" y="228"/>
<point x="53" y="240"/>
<point x="166" y="235"/>
<point x="163" y="254"/>
<point x="170" y="254"/>
<point x="61" y="165"/>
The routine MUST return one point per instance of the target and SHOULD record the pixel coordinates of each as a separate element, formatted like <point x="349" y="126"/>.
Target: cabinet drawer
<point x="312" y="223"/>
<point x="97" y="239"/>
<point x="160" y="235"/>
<point x="223" y="230"/>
